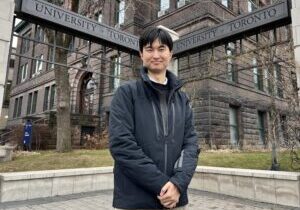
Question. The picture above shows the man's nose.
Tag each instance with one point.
(156, 54)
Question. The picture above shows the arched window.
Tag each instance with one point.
(87, 95)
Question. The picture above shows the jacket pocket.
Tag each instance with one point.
(179, 162)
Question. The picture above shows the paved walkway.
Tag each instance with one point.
(102, 201)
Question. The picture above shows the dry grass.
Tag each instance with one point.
(247, 159)
(47, 160)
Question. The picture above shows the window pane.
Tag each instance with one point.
(20, 106)
(121, 12)
(233, 126)
(225, 3)
(7, 94)
(98, 16)
(25, 42)
(255, 73)
(24, 69)
(229, 65)
(52, 96)
(39, 34)
(29, 102)
(261, 127)
(15, 107)
(251, 6)
(233, 135)
(22, 72)
(90, 84)
(91, 100)
(34, 100)
(41, 63)
(11, 63)
(88, 96)
(117, 72)
(164, 5)
(46, 97)
(266, 80)
(230, 51)
(50, 58)
(277, 81)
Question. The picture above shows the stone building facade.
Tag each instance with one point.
(7, 87)
(6, 20)
(230, 92)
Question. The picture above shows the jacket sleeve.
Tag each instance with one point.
(187, 162)
(123, 146)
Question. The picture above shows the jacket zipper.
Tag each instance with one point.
(155, 118)
(173, 131)
(165, 134)
(166, 157)
(165, 129)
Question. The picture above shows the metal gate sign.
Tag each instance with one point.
(45, 13)
(255, 22)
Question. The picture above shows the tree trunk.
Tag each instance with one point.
(64, 143)
(63, 111)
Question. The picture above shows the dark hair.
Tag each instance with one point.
(153, 33)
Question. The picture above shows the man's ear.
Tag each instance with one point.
(141, 54)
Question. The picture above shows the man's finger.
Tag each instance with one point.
(164, 198)
(170, 205)
(164, 189)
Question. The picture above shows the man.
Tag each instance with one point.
(152, 136)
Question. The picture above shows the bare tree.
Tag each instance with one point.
(281, 104)
(63, 115)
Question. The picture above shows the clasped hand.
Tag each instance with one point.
(169, 195)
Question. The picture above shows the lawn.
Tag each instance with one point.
(47, 160)
(251, 160)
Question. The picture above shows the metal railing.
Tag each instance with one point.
(6, 136)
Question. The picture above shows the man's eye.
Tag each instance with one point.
(149, 49)
(162, 49)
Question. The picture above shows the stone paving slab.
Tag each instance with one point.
(102, 200)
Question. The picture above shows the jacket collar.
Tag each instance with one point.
(173, 81)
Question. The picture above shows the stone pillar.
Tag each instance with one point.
(6, 21)
(295, 12)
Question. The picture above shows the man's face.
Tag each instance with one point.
(156, 57)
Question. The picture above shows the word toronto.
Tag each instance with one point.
(83, 24)
(234, 27)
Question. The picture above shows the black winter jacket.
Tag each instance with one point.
(146, 155)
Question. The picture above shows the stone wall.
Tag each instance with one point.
(275, 187)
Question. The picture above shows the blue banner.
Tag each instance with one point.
(27, 133)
